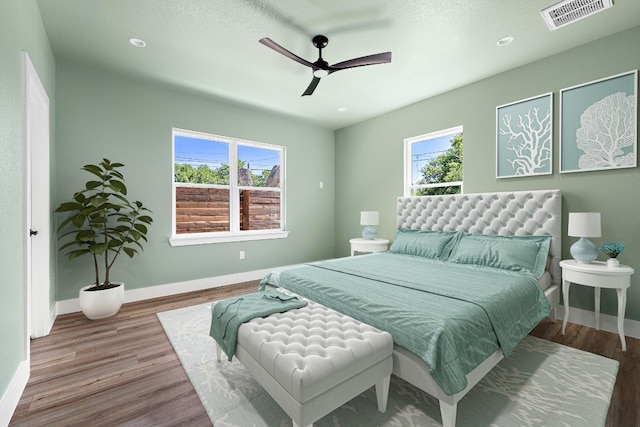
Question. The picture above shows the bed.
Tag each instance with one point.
(466, 278)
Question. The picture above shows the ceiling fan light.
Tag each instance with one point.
(320, 73)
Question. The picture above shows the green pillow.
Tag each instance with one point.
(515, 253)
(428, 244)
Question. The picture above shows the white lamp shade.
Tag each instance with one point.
(369, 218)
(584, 224)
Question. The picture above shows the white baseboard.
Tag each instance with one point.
(131, 295)
(52, 317)
(607, 322)
(12, 394)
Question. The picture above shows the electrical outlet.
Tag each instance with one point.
(321, 184)
(241, 254)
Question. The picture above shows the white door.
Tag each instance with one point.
(37, 205)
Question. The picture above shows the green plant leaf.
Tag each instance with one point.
(78, 220)
(118, 186)
(98, 248)
(96, 170)
(67, 245)
(90, 185)
(122, 198)
(69, 206)
(98, 201)
(117, 174)
(63, 224)
(146, 219)
(141, 228)
(134, 234)
(78, 253)
(86, 236)
(130, 251)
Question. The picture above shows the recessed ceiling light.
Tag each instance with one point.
(504, 41)
(137, 42)
(342, 109)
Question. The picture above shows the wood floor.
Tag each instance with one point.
(123, 371)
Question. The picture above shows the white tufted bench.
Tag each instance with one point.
(313, 359)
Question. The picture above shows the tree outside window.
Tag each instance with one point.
(433, 163)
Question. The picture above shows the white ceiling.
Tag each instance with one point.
(211, 46)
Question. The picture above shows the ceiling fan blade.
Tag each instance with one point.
(312, 86)
(275, 46)
(379, 58)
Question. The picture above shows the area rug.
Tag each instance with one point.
(540, 384)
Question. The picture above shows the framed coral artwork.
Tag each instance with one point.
(598, 124)
(523, 137)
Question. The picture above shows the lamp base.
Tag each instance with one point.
(584, 251)
(369, 232)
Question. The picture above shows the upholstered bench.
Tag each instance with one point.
(313, 359)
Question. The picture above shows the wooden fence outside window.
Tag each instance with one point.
(205, 210)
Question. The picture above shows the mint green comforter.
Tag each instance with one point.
(452, 316)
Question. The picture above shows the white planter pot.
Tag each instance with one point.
(612, 263)
(103, 303)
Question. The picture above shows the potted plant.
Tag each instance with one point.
(612, 249)
(103, 223)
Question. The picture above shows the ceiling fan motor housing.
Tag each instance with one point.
(320, 41)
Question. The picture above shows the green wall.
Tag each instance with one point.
(20, 30)
(102, 115)
(373, 181)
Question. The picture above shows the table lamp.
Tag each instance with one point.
(369, 218)
(583, 225)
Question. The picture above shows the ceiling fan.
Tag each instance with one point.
(321, 68)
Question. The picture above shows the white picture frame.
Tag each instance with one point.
(589, 140)
(524, 137)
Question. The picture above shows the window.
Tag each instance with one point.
(226, 189)
(433, 163)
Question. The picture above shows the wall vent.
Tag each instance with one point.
(569, 11)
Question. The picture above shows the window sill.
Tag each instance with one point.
(208, 238)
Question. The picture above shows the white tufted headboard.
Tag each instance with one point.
(517, 213)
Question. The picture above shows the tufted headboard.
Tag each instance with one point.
(504, 214)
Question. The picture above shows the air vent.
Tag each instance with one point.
(569, 11)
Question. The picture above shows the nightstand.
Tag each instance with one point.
(597, 275)
(368, 245)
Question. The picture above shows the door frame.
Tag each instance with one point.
(39, 312)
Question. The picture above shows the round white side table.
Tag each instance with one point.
(368, 245)
(597, 275)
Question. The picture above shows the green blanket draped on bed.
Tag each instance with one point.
(452, 316)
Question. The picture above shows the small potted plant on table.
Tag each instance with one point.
(103, 223)
(612, 249)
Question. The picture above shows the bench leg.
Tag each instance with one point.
(218, 351)
(448, 413)
(382, 392)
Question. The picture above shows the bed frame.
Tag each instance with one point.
(505, 214)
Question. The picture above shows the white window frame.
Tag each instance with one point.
(408, 142)
(235, 234)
